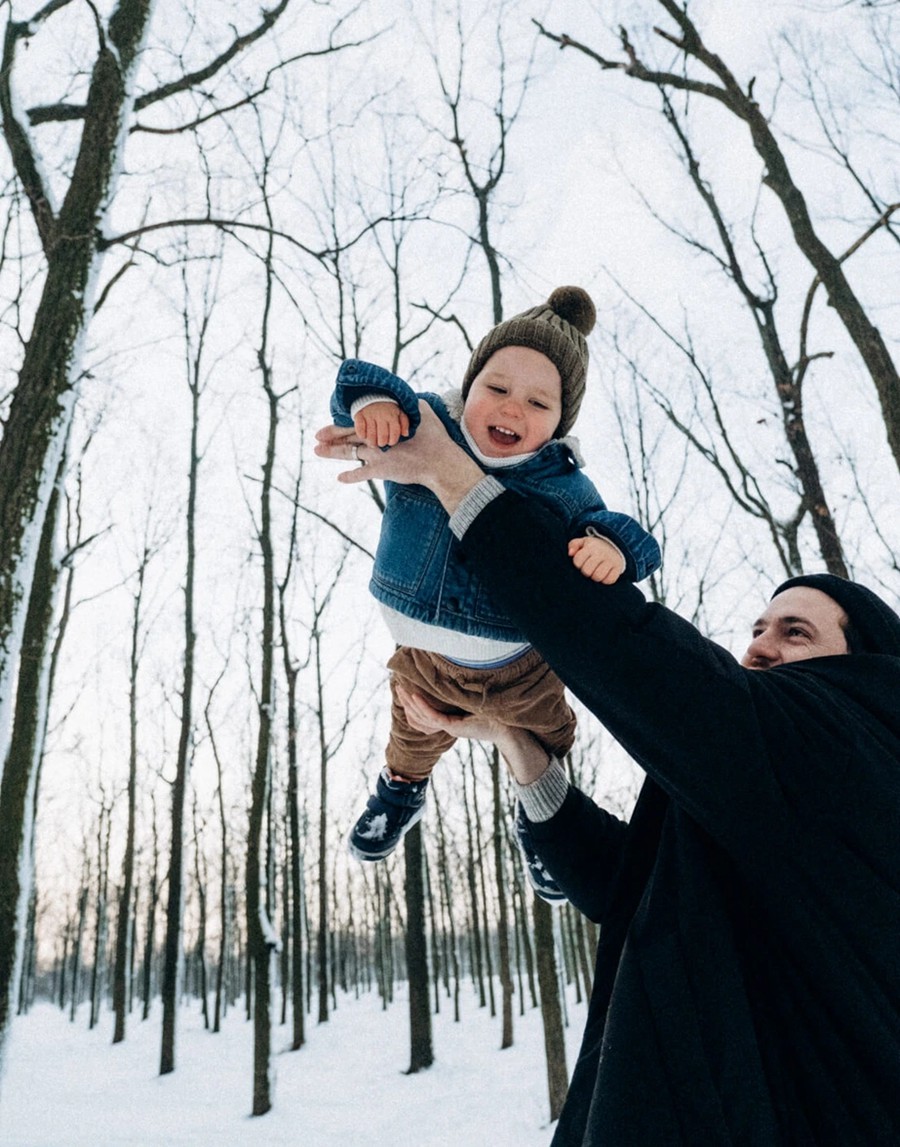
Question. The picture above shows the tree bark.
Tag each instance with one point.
(421, 1051)
(41, 410)
(20, 777)
(551, 1012)
(261, 938)
(123, 933)
(174, 903)
(506, 984)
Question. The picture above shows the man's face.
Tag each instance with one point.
(799, 623)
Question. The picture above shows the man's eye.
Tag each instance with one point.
(795, 632)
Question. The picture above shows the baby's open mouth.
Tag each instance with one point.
(500, 436)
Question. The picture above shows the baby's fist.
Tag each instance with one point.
(381, 423)
(597, 558)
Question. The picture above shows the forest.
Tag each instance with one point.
(206, 208)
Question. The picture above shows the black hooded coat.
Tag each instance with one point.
(747, 986)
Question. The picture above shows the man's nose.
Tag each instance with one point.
(761, 652)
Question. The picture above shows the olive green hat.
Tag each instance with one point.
(558, 329)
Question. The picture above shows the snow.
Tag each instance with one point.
(67, 1086)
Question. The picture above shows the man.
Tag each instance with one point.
(747, 988)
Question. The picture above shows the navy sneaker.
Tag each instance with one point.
(391, 811)
(540, 879)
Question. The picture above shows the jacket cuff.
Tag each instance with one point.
(473, 503)
(593, 532)
(544, 797)
(368, 399)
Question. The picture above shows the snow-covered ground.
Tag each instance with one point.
(68, 1087)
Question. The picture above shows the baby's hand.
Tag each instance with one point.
(381, 423)
(597, 559)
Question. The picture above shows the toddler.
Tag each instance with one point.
(520, 397)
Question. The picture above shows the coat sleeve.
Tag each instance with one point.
(357, 379)
(582, 846)
(678, 703)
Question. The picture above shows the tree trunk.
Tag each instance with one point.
(174, 903)
(150, 936)
(506, 984)
(485, 913)
(29, 959)
(444, 869)
(104, 829)
(298, 1037)
(421, 1052)
(76, 954)
(322, 931)
(471, 864)
(261, 938)
(200, 877)
(20, 776)
(40, 414)
(123, 934)
(551, 1012)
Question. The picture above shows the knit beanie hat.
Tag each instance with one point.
(557, 329)
(874, 623)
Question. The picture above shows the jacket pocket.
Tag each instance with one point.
(411, 534)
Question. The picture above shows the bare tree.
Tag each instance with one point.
(262, 938)
(72, 238)
(788, 379)
(551, 1010)
(421, 1049)
(18, 784)
(481, 150)
(328, 744)
(124, 937)
(499, 836)
(193, 350)
(716, 81)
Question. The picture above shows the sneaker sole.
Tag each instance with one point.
(358, 854)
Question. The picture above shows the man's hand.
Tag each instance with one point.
(597, 559)
(431, 459)
(381, 423)
(523, 754)
(424, 717)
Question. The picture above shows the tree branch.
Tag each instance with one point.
(229, 226)
(17, 140)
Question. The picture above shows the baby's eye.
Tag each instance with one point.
(539, 405)
(496, 389)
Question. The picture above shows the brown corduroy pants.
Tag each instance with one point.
(526, 693)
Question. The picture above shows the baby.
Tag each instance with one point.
(520, 397)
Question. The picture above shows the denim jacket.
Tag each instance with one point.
(418, 567)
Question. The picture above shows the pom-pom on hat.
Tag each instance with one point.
(558, 329)
(874, 625)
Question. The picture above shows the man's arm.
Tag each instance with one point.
(677, 702)
(580, 843)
